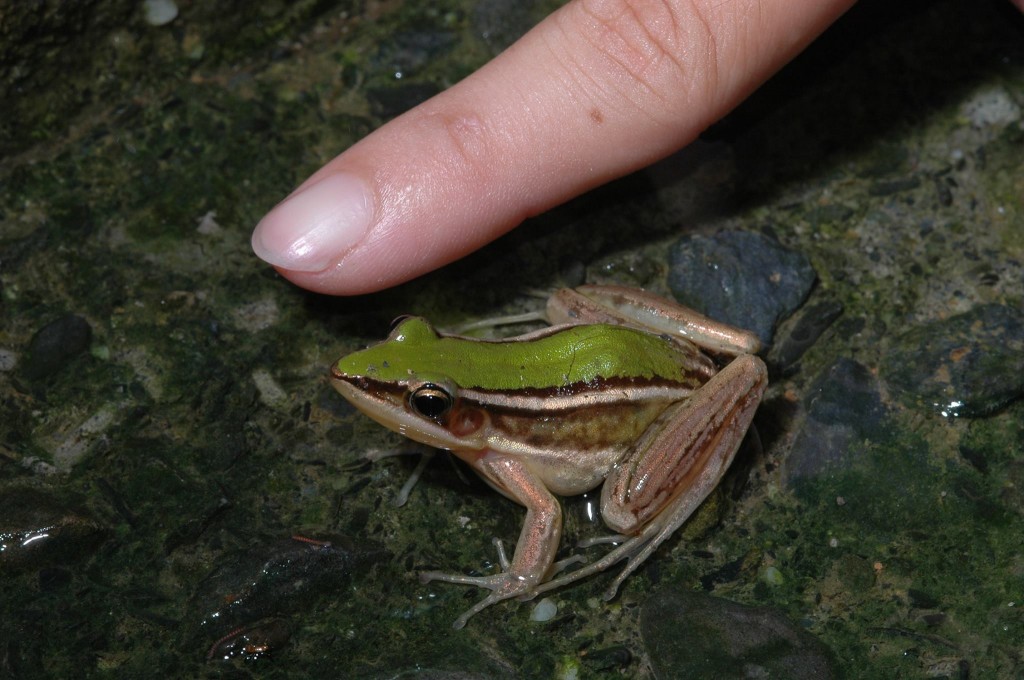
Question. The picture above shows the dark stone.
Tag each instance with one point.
(55, 344)
(803, 331)
(921, 599)
(252, 642)
(406, 53)
(40, 531)
(279, 578)
(975, 457)
(690, 635)
(607, 658)
(971, 364)
(843, 406)
(740, 277)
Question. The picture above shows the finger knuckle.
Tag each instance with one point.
(658, 45)
(468, 145)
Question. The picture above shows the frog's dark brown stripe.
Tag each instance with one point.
(596, 431)
(550, 401)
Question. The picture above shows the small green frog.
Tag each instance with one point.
(617, 392)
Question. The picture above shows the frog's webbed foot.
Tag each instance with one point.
(503, 586)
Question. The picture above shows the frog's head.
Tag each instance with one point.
(398, 383)
(406, 350)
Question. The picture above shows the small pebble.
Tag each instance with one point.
(544, 610)
(8, 360)
(159, 12)
(55, 344)
(772, 576)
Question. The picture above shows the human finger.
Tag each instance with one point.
(597, 90)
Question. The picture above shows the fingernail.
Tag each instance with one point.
(312, 229)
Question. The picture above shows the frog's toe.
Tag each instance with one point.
(489, 582)
(561, 565)
(503, 586)
(483, 604)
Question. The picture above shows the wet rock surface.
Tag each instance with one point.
(501, 22)
(251, 642)
(241, 598)
(691, 635)
(38, 531)
(743, 278)
(388, 102)
(971, 364)
(843, 410)
(805, 327)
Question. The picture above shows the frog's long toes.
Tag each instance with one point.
(611, 591)
(428, 576)
(560, 566)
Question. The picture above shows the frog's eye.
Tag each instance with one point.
(430, 401)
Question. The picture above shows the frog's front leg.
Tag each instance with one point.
(538, 540)
(673, 467)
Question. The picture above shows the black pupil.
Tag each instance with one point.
(430, 402)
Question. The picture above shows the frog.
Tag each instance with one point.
(624, 389)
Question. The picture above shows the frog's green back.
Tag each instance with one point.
(571, 355)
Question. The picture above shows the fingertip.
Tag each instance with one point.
(317, 225)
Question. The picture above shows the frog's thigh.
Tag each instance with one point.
(682, 456)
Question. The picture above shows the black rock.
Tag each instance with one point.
(801, 333)
(56, 343)
(40, 531)
(691, 635)
(268, 580)
(843, 407)
(388, 102)
(740, 277)
(501, 22)
(971, 364)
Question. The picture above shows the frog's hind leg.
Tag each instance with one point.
(538, 541)
(674, 466)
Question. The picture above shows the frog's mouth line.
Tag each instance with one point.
(384, 402)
